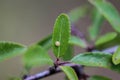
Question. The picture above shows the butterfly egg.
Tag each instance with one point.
(57, 43)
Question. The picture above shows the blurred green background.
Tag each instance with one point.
(28, 21)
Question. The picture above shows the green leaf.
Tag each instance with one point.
(61, 35)
(97, 20)
(10, 49)
(77, 41)
(116, 56)
(46, 43)
(96, 59)
(96, 77)
(15, 78)
(36, 56)
(77, 13)
(109, 12)
(69, 53)
(108, 44)
(93, 59)
(69, 72)
(106, 38)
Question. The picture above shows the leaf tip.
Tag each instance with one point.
(115, 60)
(63, 14)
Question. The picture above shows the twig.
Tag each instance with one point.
(78, 69)
(52, 71)
(110, 50)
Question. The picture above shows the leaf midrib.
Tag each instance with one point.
(60, 38)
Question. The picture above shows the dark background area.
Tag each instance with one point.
(28, 21)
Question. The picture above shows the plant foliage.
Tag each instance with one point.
(97, 48)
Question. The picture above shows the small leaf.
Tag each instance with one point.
(106, 38)
(46, 43)
(116, 56)
(109, 12)
(10, 49)
(69, 53)
(36, 56)
(61, 34)
(96, 77)
(97, 21)
(108, 44)
(77, 41)
(77, 13)
(96, 59)
(92, 59)
(69, 72)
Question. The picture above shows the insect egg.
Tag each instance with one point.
(57, 43)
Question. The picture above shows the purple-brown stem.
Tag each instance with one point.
(76, 32)
(52, 71)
